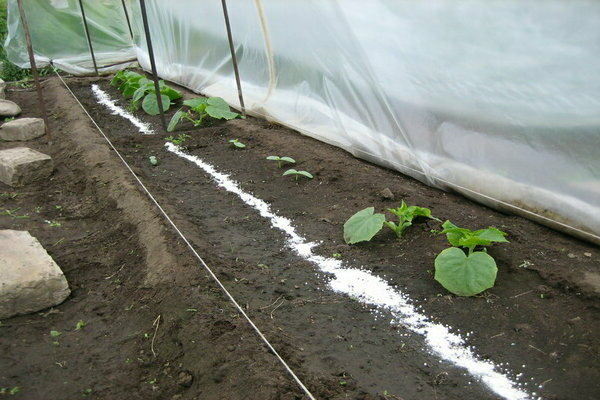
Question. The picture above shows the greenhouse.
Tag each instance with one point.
(261, 199)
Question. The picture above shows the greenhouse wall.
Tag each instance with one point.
(498, 100)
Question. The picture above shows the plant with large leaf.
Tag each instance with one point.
(470, 273)
(140, 89)
(195, 110)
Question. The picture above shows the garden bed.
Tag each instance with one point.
(540, 320)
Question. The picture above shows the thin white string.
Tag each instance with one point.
(211, 273)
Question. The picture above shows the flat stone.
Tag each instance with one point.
(22, 165)
(2, 89)
(30, 280)
(9, 108)
(22, 129)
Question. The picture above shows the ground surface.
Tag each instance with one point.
(126, 268)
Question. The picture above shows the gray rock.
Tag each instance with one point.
(22, 129)
(9, 108)
(386, 194)
(2, 89)
(30, 280)
(22, 165)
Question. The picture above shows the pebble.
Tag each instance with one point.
(185, 379)
(587, 254)
(386, 194)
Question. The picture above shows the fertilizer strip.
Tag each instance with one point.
(375, 291)
(206, 267)
(104, 99)
(372, 290)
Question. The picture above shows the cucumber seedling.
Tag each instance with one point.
(237, 144)
(297, 174)
(139, 88)
(281, 160)
(365, 224)
(471, 273)
(177, 140)
(405, 215)
(195, 110)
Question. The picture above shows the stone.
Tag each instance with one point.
(2, 89)
(22, 129)
(30, 280)
(386, 194)
(22, 165)
(185, 379)
(9, 108)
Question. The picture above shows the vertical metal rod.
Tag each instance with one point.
(153, 64)
(34, 70)
(87, 33)
(233, 58)
(127, 18)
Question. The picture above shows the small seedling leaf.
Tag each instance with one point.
(55, 333)
(363, 225)
(306, 174)
(79, 325)
(465, 275)
(288, 159)
(290, 171)
(273, 158)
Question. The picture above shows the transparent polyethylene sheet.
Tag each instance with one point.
(57, 34)
(499, 100)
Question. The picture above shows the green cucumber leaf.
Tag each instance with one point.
(195, 102)
(290, 171)
(220, 113)
(171, 93)
(218, 103)
(363, 225)
(273, 158)
(465, 275)
(175, 120)
(150, 104)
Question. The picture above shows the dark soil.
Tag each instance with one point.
(541, 318)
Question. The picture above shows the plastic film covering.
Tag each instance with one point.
(57, 34)
(498, 100)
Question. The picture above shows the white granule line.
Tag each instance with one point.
(372, 290)
(104, 99)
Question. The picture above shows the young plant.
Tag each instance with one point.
(405, 215)
(137, 87)
(195, 110)
(365, 224)
(237, 144)
(297, 174)
(281, 160)
(471, 273)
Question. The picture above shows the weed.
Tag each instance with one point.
(281, 160)
(8, 195)
(10, 391)
(53, 224)
(79, 325)
(153, 160)
(195, 110)
(178, 140)
(86, 392)
(237, 144)
(8, 119)
(55, 334)
(336, 255)
(472, 273)
(12, 213)
(296, 174)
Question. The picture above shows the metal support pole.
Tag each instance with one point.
(233, 58)
(87, 33)
(127, 18)
(34, 70)
(153, 64)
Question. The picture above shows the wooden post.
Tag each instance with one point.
(34, 71)
(233, 58)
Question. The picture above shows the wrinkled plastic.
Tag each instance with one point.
(497, 100)
(58, 35)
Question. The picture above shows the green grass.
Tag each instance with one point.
(9, 71)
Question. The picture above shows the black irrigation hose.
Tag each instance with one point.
(189, 245)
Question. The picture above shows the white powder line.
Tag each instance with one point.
(375, 291)
(104, 98)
